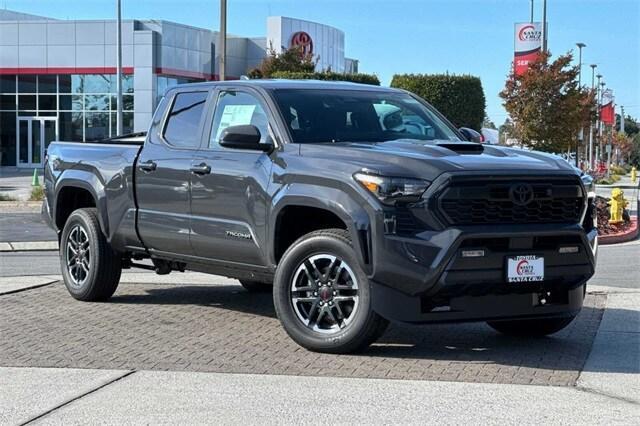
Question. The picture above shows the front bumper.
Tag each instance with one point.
(425, 278)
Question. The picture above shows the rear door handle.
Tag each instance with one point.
(201, 169)
(149, 166)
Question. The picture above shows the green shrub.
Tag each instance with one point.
(328, 75)
(612, 179)
(37, 193)
(620, 170)
(459, 97)
(4, 197)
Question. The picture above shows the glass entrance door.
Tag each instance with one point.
(34, 136)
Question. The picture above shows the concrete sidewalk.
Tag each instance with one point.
(124, 397)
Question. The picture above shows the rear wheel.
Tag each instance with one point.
(256, 286)
(322, 296)
(531, 328)
(90, 268)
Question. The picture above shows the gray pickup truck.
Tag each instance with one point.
(355, 204)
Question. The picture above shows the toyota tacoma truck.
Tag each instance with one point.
(357, 205)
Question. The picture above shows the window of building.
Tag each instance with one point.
(27, 83)
(164, 83)
(183, 123)
(7, 83)
(81, 103)
(236, 109)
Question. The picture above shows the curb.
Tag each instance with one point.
(622, 237)
(20, 204)
(623, 186)
(28, 246)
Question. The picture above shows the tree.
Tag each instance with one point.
(634, 157)
(460, 98)
(630, 125)
(292, 59)
(547, 106)
(624, 144)
(506, 131)
(488, 124)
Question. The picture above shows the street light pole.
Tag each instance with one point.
(119, 71)
(531, 15)
(593, 76)
(544, 26)
(599, 148)
(580, 46)
(581, 132)
(223, 39)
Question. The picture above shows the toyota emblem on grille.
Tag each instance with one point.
(521, 194)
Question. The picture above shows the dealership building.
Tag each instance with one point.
(57, 77)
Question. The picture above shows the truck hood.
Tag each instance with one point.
(428, 159)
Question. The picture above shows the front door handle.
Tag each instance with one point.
(201, 169)
(149, 166)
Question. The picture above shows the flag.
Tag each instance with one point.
(607, 108)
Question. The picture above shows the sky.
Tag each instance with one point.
(417, 36)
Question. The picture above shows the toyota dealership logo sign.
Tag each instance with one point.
(304, 41)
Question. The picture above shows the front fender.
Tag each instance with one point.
(344, 205)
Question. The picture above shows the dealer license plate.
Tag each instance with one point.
(525, 268)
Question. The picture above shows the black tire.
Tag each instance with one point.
(349, 330)
(531, 328)
(104, 265)
(256, 286)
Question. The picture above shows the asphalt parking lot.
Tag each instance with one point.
(222, 328)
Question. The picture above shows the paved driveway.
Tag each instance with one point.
(222, 328)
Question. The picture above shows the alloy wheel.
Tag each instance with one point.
(78, 256)
(324, 293)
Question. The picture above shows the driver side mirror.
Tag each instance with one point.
(471, 135)
(245, 136)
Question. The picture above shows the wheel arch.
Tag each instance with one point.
(79, 190)
(330, 210)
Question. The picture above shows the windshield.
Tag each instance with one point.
(317, 116)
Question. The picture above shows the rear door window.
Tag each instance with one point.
(183, 123)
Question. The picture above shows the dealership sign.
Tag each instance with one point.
(528, 43)
(302, 40)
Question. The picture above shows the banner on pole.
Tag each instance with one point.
(607, 110)
(528, 43)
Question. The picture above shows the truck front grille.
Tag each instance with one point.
(490, 202)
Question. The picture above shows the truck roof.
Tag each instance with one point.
(290, 84)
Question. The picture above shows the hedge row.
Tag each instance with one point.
(459, 97)
(333, 76)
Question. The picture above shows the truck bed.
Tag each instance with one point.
(105, 169)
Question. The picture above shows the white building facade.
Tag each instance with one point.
(57, 77)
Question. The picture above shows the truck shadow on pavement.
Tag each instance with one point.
(462, 348)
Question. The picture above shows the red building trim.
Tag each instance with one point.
(64, 70)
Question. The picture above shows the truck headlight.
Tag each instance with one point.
(393, 190)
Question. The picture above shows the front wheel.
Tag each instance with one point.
(322, 296)
(90, 268)
(531, 328)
